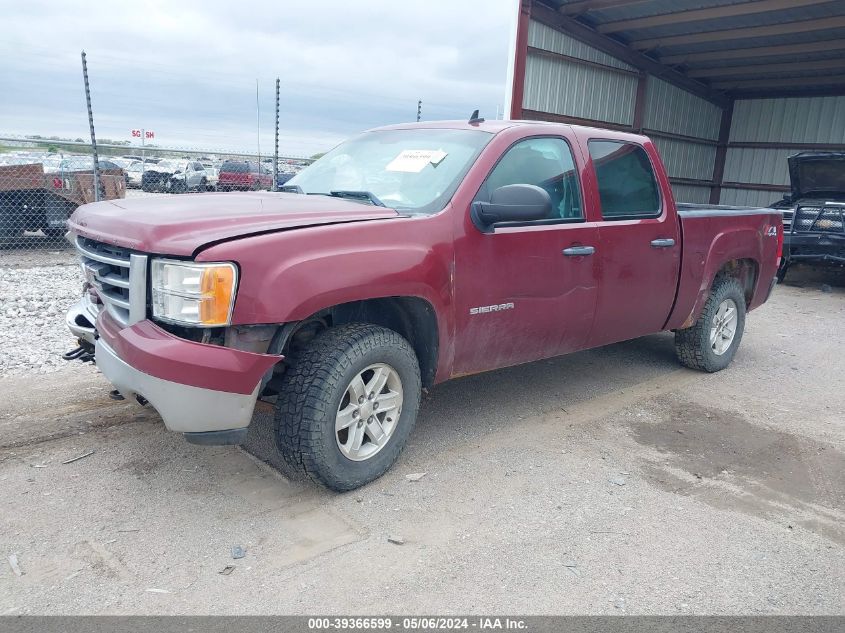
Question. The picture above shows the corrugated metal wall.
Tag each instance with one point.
(748, 197)
(766, 166)
(686, 159)
(605, 91)
(586, 92)
(671, 109)
(691, 193)
(783, 127)
(566, 77)
(561, 86)
(549, 39)
(792, 120)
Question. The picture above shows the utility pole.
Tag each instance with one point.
(258, 127)
(276, 149)
(91, 126)
(419, 110)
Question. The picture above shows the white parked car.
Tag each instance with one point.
(175, 176)
(212, 174)
(134, 173)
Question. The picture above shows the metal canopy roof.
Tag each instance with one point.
(719, 48)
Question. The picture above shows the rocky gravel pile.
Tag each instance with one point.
(33, 301)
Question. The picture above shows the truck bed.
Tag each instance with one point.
(715, 234)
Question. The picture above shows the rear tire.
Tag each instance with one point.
(316, 399)
(711, 343)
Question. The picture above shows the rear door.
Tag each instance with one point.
(641, 243)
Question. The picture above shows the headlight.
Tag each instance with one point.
(191, 293)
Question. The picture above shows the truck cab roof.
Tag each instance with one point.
(497, 126)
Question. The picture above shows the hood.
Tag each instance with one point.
(817, 174)
(180, 225)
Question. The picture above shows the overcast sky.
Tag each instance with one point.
(188, 69)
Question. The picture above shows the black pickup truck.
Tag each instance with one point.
(814, 212)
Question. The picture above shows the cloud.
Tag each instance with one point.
(189, 70)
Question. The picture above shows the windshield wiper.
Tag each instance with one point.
(291, 189)
(357, 195)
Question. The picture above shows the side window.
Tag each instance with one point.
(197, 167)
(545, 162)
(627, 186)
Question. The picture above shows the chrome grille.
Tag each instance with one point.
(119, 276)
(787, 220)
(826, 219)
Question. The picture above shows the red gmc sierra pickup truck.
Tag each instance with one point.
(402, 258)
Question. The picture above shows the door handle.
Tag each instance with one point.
(578, 251)
(663, 243)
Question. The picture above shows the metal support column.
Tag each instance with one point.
(91, 126)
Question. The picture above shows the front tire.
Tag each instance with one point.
(711, 343)
(347, 405)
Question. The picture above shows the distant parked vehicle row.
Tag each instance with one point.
(40, 195)
(175, 176)
(212, 173)
(244, 175)
(134, 171)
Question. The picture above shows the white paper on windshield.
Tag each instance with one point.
(414, 161)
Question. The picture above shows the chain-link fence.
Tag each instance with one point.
(41, 187)
(39, 191)
(44, 179)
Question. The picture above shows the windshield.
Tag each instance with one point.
(237, 168)
(77, 163)
(167, 166)
(416, 170)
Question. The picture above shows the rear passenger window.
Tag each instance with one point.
(545, 162)
(626, 182)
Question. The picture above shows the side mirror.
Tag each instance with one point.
(512, 203)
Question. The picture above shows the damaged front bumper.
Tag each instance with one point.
(82, 317)
(187, 409)
(207, 392)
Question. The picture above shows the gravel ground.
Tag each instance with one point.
(605, 482)
(34, 301)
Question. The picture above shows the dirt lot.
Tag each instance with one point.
(608, 481)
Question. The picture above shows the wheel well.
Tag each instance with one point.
(745, 271)
(411, 317)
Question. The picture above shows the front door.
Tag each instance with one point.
(526, 291)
